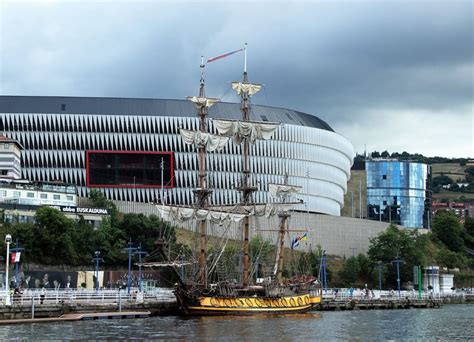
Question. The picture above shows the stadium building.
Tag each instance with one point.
(118, 145)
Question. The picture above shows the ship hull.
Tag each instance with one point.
(247, 306)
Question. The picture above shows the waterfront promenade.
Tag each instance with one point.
(34, 303)
(161, 301)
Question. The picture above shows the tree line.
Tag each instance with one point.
(54, 239)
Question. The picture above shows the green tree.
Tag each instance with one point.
(110, 241)
(450, 259)
(408, 245)
(146, 230)
(350, 271)
(53, 237)
(99, 200)
(469, 225)
(448, 229)
(84, 239)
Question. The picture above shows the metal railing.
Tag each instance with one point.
(357, 294)
(85, 296)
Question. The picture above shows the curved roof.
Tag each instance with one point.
(161, 107)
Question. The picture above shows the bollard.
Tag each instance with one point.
(32, 306)
(120, 301)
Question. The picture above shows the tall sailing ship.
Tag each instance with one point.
(226, 297)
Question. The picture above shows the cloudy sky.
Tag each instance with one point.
(388, 75)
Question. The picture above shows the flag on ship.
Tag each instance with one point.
(295, 242)
(304, 237)
(223, 56)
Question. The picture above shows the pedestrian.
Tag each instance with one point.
(42, 295)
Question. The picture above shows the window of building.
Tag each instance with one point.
(16, 194)
(69, 198)
(4, 193)
(384, 202)
(4, 172)
(57, 197)
(6, 146)
(264, 118)
(63, 107)
(30, 194)
(384, 177)
(44, 196)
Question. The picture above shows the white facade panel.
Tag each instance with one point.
(316, 159)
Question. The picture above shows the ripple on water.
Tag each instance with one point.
(450, 322)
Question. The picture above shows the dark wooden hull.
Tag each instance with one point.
(246, 306)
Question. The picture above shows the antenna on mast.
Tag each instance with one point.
(245, 58)
(201, 86)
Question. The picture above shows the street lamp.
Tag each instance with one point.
(140, 252)
(129, 249)
(97, 259)
(380, 266)
(8, 240)
(17, 249)
(398, 261)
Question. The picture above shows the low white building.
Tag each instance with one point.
(10, 158)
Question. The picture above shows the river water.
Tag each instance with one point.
(451, 322)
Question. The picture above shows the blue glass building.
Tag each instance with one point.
(397, 192)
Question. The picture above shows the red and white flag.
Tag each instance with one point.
(15, 257)
(224, 55)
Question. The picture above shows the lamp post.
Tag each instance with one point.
(323, 270)
(97, 258)
(379, 267)
(353, 265)
(8, 240)
(398, 261)
(17, 249)
(129, 249)
(139, 252)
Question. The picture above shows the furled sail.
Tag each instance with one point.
(277, 190)
(200, 102)
(267, 209)
(249, 88)
(199, 139)
(240, 130)
(171, 213)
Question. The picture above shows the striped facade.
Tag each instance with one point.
(56, 132)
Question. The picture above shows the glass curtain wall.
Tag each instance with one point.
(396, 192)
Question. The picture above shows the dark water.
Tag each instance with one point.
(452, 322)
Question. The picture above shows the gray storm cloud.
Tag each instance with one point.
(390, 75)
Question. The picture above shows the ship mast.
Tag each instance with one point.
(202, 193)
(283, 227)
(246, 189)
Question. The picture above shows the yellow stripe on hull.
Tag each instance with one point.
(254, 305)
(256, 310)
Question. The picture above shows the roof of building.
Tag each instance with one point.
(4, 139)
(158, 107)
